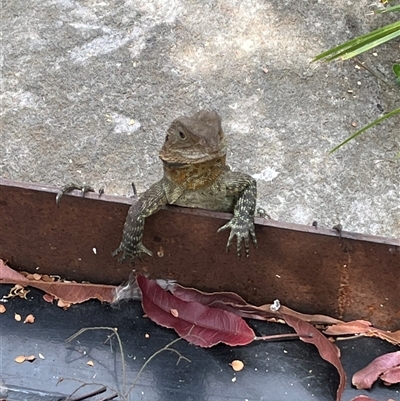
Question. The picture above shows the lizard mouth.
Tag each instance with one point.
(173, 165)
(177, 160)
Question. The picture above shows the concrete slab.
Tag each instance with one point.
(89, 88)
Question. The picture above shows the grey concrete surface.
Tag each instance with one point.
(89, 88)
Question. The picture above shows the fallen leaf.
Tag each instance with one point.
(391, 376)
(90, 363)
(69, 292)
(237, 365)
(20, 359)
(30, 358)
(10, 276)
(390, 336)
(41, 356)
(366, 377)
(197, 323)
(48, 298)
(327, 350)
(234, 302)
(2, 308)
(62, 304)
(343, 328)
(300, 322)
(364, 328)
(29, 319)
(17, 317)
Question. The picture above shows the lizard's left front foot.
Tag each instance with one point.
(70, 187)
(242, 229)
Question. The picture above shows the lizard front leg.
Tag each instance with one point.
(149, 203)
(243, 187)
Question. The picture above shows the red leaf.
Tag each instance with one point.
(237, 305)
(363, 398)
(365, 378)
(10, 276)
(326, 349)
(196, 323)
(391, 376)
(191, 294)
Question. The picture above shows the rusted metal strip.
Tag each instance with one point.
(311, 270)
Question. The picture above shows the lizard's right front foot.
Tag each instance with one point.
(70, 187)
(131, 251)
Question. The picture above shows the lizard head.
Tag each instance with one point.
(195, 139)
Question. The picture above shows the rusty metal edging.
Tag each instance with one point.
(313, 270)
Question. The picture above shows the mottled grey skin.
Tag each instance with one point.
(195, 175)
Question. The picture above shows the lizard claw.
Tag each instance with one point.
(71, 186)
(241, 229)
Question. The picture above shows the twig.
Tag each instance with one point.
(166, 348)
(282, 336)
(88, 395)
(388, 83)
(115, 331)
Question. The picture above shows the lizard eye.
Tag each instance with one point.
(182, 135)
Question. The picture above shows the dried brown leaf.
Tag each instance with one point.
(90, 363)
(30, 358)
(10, 276)
(20, 359)
(2, 308)
(17, 317)
(68, 292)
(63, 304)
(48, 298)
(366, 377)
(364, 328)
(29, 319)
(343, 328)
(392, 337)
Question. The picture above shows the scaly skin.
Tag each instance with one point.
(195, 175)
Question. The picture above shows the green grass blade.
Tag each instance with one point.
(377, 121)
(371, 45)
(388, 10)
(358, 42)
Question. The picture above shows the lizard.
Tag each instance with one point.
(195, 175)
